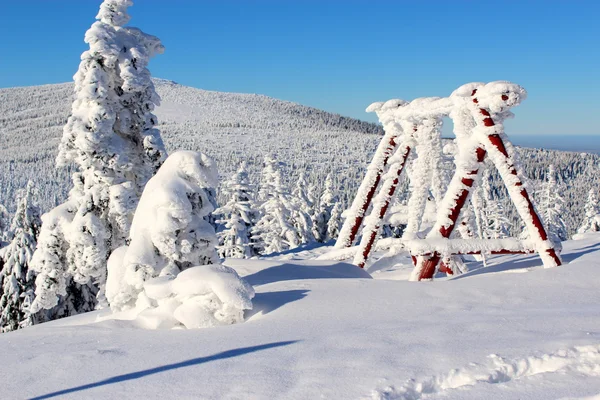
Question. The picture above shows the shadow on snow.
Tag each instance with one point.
(270, 301)
(151, 371)
(532, 260)
(291, 272)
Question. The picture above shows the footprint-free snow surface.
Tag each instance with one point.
(327, 330)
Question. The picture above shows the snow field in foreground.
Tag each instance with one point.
(324, 330)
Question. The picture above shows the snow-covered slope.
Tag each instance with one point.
(325, 330)
(232, 127)
(227, 126)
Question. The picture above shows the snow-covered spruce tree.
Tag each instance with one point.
(111, 139)
(591, 221)
(335, 221)
(170, 231)
(495, 225)
(302, 211)
(5, 233)
(238, 215)
(273, 232)
(17, 279)
(552, 207)
(323, 211)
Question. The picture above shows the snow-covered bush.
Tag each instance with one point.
(111, 139)
(170, 231)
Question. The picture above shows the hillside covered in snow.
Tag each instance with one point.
(231, 128)
(328, 330)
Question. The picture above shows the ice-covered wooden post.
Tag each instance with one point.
(478, 113)
(382, 201)
(387, 147)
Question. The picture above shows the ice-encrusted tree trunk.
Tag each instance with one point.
(591, 221)
(273, 232)
(239, 216)
(552, 207)
(18, 281)
(302, 211)
(323, 211)
(112, 140)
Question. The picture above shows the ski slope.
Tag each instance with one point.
(327, 330)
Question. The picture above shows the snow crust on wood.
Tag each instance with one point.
(484, 107)
(447, 247)
(386, 148)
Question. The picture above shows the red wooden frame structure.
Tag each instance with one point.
(478, 111)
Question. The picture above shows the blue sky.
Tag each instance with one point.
(340, 55)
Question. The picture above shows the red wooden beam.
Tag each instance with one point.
(366, 244)
(364, 207)
(429, 265)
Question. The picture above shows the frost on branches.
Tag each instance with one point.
(238, 216)
(591, 221)
(111, 138)
(273, 231)
(17, 280)
(170, 231)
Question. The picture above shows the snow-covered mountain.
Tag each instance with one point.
(227, 126)
(232, 127)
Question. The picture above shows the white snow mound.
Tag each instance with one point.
(199, 297)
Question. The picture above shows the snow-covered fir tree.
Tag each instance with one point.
(170, 231)
(4, 226)
(591, 220)
(55, 290)
(302, 210)
(552, 207)
(111, 139)
(495, 225)
(312, 196)
(274, 232)
(335, 221)
(238, 215)
(323, 210)
(17, 281)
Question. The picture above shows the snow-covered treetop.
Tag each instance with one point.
(193, 167)
(114, 12)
